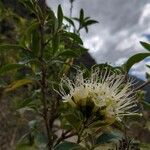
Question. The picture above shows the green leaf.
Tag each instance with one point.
(41, 140)
(69, 146)
(82, 50)
(60, 16)
(81, 15)
(33, 26)
(77, 19)
(86, 29)
(146, 104)
(16, 84)
(29, 5)
(35, 45)
(135, 59)
(98, 124)
(144, 146)
(73, 121)
(74, 36)
(55, 42)
(26, 147)
(86, 18)
(147, 76)
(5, 47)
(69, 21)
(145, 45)
(89, 22)
(107, 137)
(9, 67)
(148, 66)
(68, 53)
(31, 38)
(74, 118)
(22, 104)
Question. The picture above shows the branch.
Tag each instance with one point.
(43, 82)
(64, 136)
(12, 142)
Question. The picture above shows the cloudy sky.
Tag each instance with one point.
(122, 24)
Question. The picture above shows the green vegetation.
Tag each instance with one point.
(51, 102)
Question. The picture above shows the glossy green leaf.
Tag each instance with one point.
(5, 47)
(60, 16)
(86, 29)
(89, 22)
(145, 45)
(144, 146)
(35, 45)
(147, 76)
(28, 4)
(68, 53)
(9, 67)
(74, 36)
(86, 18)
(74, 118)
(69, 21)
(98, 124)
(75, 18)
(26, 147)
(41, 140)
(81, 16)
(30, 103)
(107, 137)
(16, 84)
(33, 26)
(31, 38)
(135, 59)
(79, 49)
(146, 104)
(55, 42)
(69, 146)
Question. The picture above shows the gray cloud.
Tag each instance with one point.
(122, 25)
(115, 14)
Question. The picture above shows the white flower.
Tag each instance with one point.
(110, 94)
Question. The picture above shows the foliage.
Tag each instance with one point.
(36, 52)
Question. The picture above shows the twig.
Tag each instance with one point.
(43, 82)
(13, 137)
(64, 136)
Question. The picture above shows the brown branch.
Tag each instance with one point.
(64, 136)
(12, 142)
(44, 86)
(43, 82)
